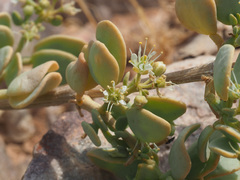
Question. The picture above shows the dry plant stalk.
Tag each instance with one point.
(64, 94)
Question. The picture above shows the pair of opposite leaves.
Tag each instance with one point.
(45, 49)
(100, 62)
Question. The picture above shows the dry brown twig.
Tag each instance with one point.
(65, 94)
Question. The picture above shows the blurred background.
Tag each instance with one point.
(20, 130)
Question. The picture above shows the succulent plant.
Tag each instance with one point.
(134, 128)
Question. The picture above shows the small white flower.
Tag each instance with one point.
(122, 102)
(114, 96)
(123, 89)
(142, 63)
(69, 8)
(105, 93)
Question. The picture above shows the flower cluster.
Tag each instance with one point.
(114, 96)
(142, 63)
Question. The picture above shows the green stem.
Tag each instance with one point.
(133, 86)
(138, 80)
(21, 44)
(32, 3)
(88, 104)
(145, 86)
(147, 81)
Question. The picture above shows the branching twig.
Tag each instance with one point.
(64, 94)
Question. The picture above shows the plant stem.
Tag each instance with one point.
(21, 44)
(64, 94)
(88, 103)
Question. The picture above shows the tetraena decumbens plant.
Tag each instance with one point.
(150, 118)
(135, 129)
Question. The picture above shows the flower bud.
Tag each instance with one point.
(44, 3)
(69, 9)
(140, 101)
(159, 68)
(28, 10)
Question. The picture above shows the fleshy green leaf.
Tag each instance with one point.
(180, 162)
(6, 36)
(25, 88)
(225, 8)
(13, 69)
(236, 71)
(200, 169)
(203, 151)
(88, 129)
(222, 147)
(5, 56)
(222, 70)
(108, 34)
(97, 119)
(115, 165)
(147, 126)
(62, 58)
(61, 42)
(5, 19)
(227, 168)
(102, 65)
(121, 123)
(148, 170)
(78, 76)
(199, 16)
(229, 132)
(166, 108)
